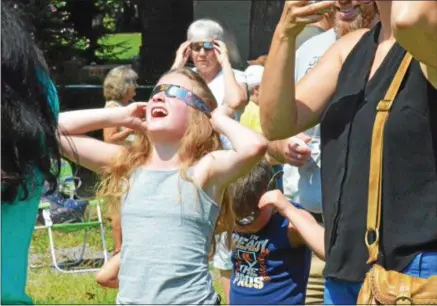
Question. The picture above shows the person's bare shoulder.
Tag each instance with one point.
(349, 41)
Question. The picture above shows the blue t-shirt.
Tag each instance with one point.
(267, 269)
(17, 224)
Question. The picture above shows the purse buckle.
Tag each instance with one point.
(366, 238)
(384, 105)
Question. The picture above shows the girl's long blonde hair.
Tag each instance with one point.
(199, 140)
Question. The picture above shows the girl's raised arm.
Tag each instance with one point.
(226, 166)
(92, 153)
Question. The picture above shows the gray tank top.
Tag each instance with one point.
(167, 225)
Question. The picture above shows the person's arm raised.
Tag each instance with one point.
(112, 135)
(235, 95)
(303, 228)
(89, 152)
(287, 109)
(225, 166)
(414, 25)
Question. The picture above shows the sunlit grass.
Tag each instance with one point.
(47, 286)
(127, 45)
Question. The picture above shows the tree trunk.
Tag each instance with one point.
(164, 26)
(264, 17)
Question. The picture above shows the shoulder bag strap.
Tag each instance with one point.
(376, 155)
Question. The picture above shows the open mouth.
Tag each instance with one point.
(159, 112)
(348, 14)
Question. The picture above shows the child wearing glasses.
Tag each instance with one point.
(271, 262)
(171, 182)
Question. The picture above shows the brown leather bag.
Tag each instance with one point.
(383, 287)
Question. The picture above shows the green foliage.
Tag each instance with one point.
(75, 32)
(51, 28)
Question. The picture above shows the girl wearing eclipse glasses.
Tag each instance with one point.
(172, 184)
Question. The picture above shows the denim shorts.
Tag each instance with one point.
(338, 292)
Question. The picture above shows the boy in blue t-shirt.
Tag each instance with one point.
(271, 262)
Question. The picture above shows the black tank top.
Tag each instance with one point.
(409, 199)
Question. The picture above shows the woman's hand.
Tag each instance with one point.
(297, 14)
(293, 151)
(221, 52)
(182, 55)
(133, 116)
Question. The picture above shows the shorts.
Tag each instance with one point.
(222, 259)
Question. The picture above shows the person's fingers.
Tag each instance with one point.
(313, 8)
(308, 19)
(187, 54)
(295, 161)
(185, 45)
(304, 137)
(220, 43)
(217, 53)
(144, 126)
(302, 150)
(137, 124)
(218, 49)
(264, 201)
(140, 104)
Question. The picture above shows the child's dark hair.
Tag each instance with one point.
(249, 189)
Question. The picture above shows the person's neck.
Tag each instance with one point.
(210, 74)
(165, 156)
(375, 21)
(384, 8)
(125, 101)
(254, 100)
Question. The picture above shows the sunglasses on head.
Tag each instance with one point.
(186, 96)
(255, 214)
(206, 45)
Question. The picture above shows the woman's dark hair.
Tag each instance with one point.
(249, 189)
(29, 125)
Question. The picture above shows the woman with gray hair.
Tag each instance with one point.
(212, 61)
(211, 58)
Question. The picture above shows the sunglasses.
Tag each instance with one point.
(255, 214)
(206, 45)
(186, 96)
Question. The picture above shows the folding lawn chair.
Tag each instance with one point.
(63, 211)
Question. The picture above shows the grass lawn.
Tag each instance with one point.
(47, 286)
(129, 44)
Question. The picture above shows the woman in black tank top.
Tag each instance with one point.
(343, 97)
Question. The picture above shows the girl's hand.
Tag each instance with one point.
(220, 111)
(297, 14)
(221, 52)
(277, 199)
(133, 116)
(182, 55)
